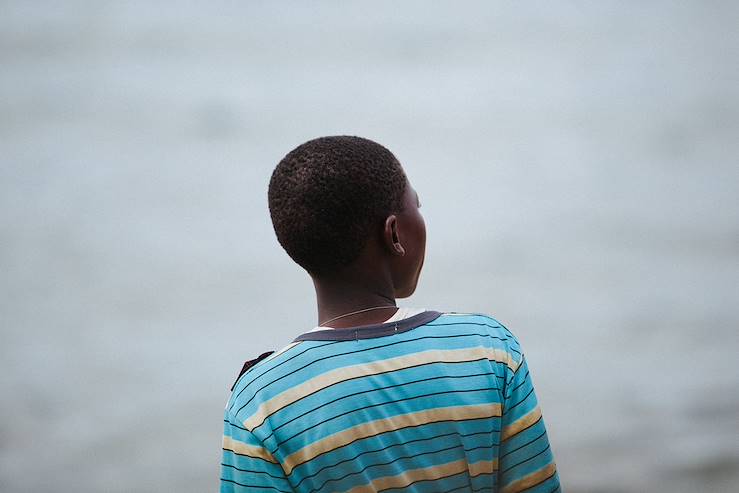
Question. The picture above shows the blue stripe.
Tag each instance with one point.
(367, 398)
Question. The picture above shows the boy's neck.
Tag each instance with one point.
(341, 296)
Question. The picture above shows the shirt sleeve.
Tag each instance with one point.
(525, 462)
(246, 464)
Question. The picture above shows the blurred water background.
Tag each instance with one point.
(577, 167)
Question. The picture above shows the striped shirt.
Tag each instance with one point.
(438, 402)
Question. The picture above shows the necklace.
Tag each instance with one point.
(354, 313)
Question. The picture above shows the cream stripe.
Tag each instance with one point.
(483, 467)
(376, 367)
(364, 430)
(246, 449)
(521, 423)
(411, 476)
(277, 353)
(530, 480)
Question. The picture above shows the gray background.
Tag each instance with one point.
(577, 168)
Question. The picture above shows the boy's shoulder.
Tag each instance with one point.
(273, 370)
(494, 327)
(257, 373)
(480, 319)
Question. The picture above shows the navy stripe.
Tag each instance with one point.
(395, 445)
(422, 481)
(498, 325)
(249, 456)
(519, 402)
(467, 487)
(521, 431)
(520, 384)
(509, 338)
(272, 368)
(524, 461)
(250, 470)
(254, 486)
(312, 362)
(376, 389)
(522, 446)
(397, 459)
(374, 374)
(392, 431)
(541, 482)
(378, 405)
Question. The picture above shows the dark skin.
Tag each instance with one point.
(388, 268)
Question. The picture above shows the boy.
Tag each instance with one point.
(377, 398)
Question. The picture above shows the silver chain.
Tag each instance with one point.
(358, 311)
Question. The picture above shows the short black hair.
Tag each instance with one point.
(328, 194)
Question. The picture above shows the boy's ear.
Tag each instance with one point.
(391, 236)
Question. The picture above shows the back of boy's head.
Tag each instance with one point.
(327, 197)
